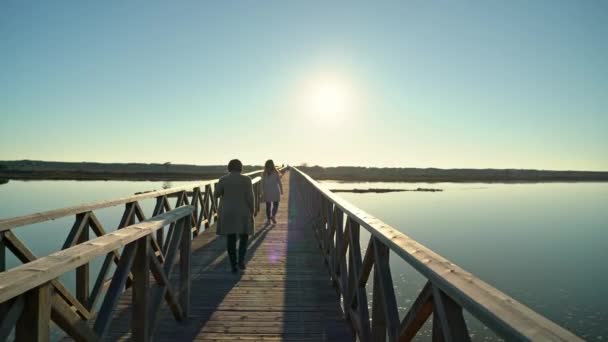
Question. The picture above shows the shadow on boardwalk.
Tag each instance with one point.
(285, 293)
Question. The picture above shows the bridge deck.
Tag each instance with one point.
(284, 294)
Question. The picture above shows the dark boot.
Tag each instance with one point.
(244, 238)
(231, 247)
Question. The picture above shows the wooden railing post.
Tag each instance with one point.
(158, 209)
(2, 253)
(141, 290)
(184, 263)
(195, 203)
(34, 322)
(217, 201)
(448, 315)
(82, 272)
(207, 206)
(378, 318)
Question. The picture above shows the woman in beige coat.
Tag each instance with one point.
(273, 189)
(235, 212)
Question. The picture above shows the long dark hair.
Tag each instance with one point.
(269, 167)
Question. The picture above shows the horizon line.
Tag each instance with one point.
(304, 164)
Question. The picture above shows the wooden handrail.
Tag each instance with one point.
(13, 222)
(30, 296)
(22, 278)
(449, 290)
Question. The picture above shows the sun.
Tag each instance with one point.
(328, 99)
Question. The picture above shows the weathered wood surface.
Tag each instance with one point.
(284, 294)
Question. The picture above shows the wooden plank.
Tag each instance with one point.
(34, 322)
(389, 302)
(139, 213)
(82, 221)
(195, 203)
(436, 333)
(181, 197)
(158, 209)
(119, 279)
(170, 296)
(98, 229)
(449, 315)
(157, 250)
(99, 282)
(202, 218)
(127, 216)
(378, 323)
(344, 242)
(2, 253)
(368, 262)
(10, 315)
(82, 272)
(158, 293)
(63, 315)
(358, 294)
(501, 313)
(184, 267)
(141, 290)
(417, 315)
(172, 246)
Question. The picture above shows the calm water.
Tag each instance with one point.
(544, 244)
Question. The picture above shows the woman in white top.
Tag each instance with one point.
(273, 189)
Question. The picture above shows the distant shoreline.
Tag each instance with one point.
(105, 176)
(434, 175)
(45, 170)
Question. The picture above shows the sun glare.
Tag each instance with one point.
(328, 99)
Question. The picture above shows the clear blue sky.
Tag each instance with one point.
(520, 84)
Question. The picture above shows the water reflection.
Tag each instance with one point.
(543, 244)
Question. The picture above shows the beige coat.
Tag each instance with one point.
(236, 204)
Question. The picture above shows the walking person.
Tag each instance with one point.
(273, 189)
(235, 212)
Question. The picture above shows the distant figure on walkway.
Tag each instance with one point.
(273, 189)
(235, 212)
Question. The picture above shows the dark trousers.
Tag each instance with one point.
(275, 207)
(231, 246)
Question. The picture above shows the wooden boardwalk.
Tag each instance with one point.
(284, 294)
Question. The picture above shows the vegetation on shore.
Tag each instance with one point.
(375, 174)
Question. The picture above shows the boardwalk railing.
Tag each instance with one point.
(32, 299)
(449, 288)
(196, 209)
